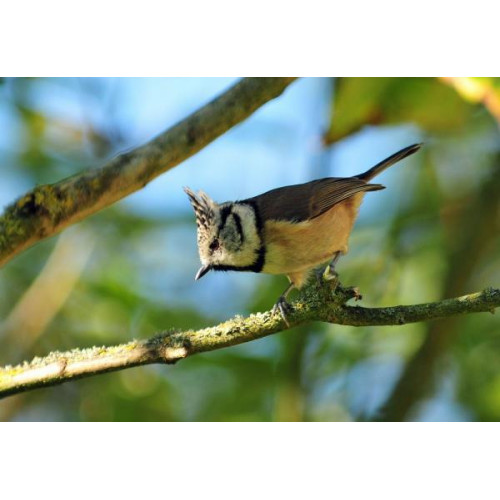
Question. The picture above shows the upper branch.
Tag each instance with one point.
(47, 209)
(169, 347)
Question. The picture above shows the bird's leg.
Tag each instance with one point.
(282, 305)
(330, 274)
(318, 274)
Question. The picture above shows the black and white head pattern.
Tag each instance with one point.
(228, 234)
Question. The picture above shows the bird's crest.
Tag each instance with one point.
(204, 208)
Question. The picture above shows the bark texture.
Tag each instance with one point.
(325, 303)
(48, 209)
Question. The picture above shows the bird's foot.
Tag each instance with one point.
(331, 276)
(284, 308)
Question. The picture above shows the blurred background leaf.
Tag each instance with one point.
(434, 107)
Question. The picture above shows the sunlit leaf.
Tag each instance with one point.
(479, 90)
(426, 102)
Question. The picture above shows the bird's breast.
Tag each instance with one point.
(297, 247)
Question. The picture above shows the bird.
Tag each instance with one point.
(291, 230)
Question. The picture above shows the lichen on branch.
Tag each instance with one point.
(47, 209)
(326, 303)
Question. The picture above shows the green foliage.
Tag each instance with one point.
(426, 102)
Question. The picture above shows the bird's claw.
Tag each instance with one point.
(330, 274)
(283, 307)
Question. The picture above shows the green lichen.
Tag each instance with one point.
(324, 303)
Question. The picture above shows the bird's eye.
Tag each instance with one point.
(214, 245)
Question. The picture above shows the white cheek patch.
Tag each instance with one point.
(246, 255)
(248, 223)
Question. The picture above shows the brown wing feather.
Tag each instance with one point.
(306, 201)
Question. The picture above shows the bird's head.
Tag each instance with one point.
(228, 234)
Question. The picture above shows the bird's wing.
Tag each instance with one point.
(307, 201)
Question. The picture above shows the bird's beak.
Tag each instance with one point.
(202, 271)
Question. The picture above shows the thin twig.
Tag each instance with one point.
(316, 304)
(419, 376)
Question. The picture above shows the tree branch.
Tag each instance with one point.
(315, 304)
(47, 209)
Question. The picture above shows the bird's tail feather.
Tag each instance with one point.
(388, 162)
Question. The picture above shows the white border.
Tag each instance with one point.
(307, 461)
(227, 38)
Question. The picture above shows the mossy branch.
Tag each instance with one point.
(316, 304)
(47, 209)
